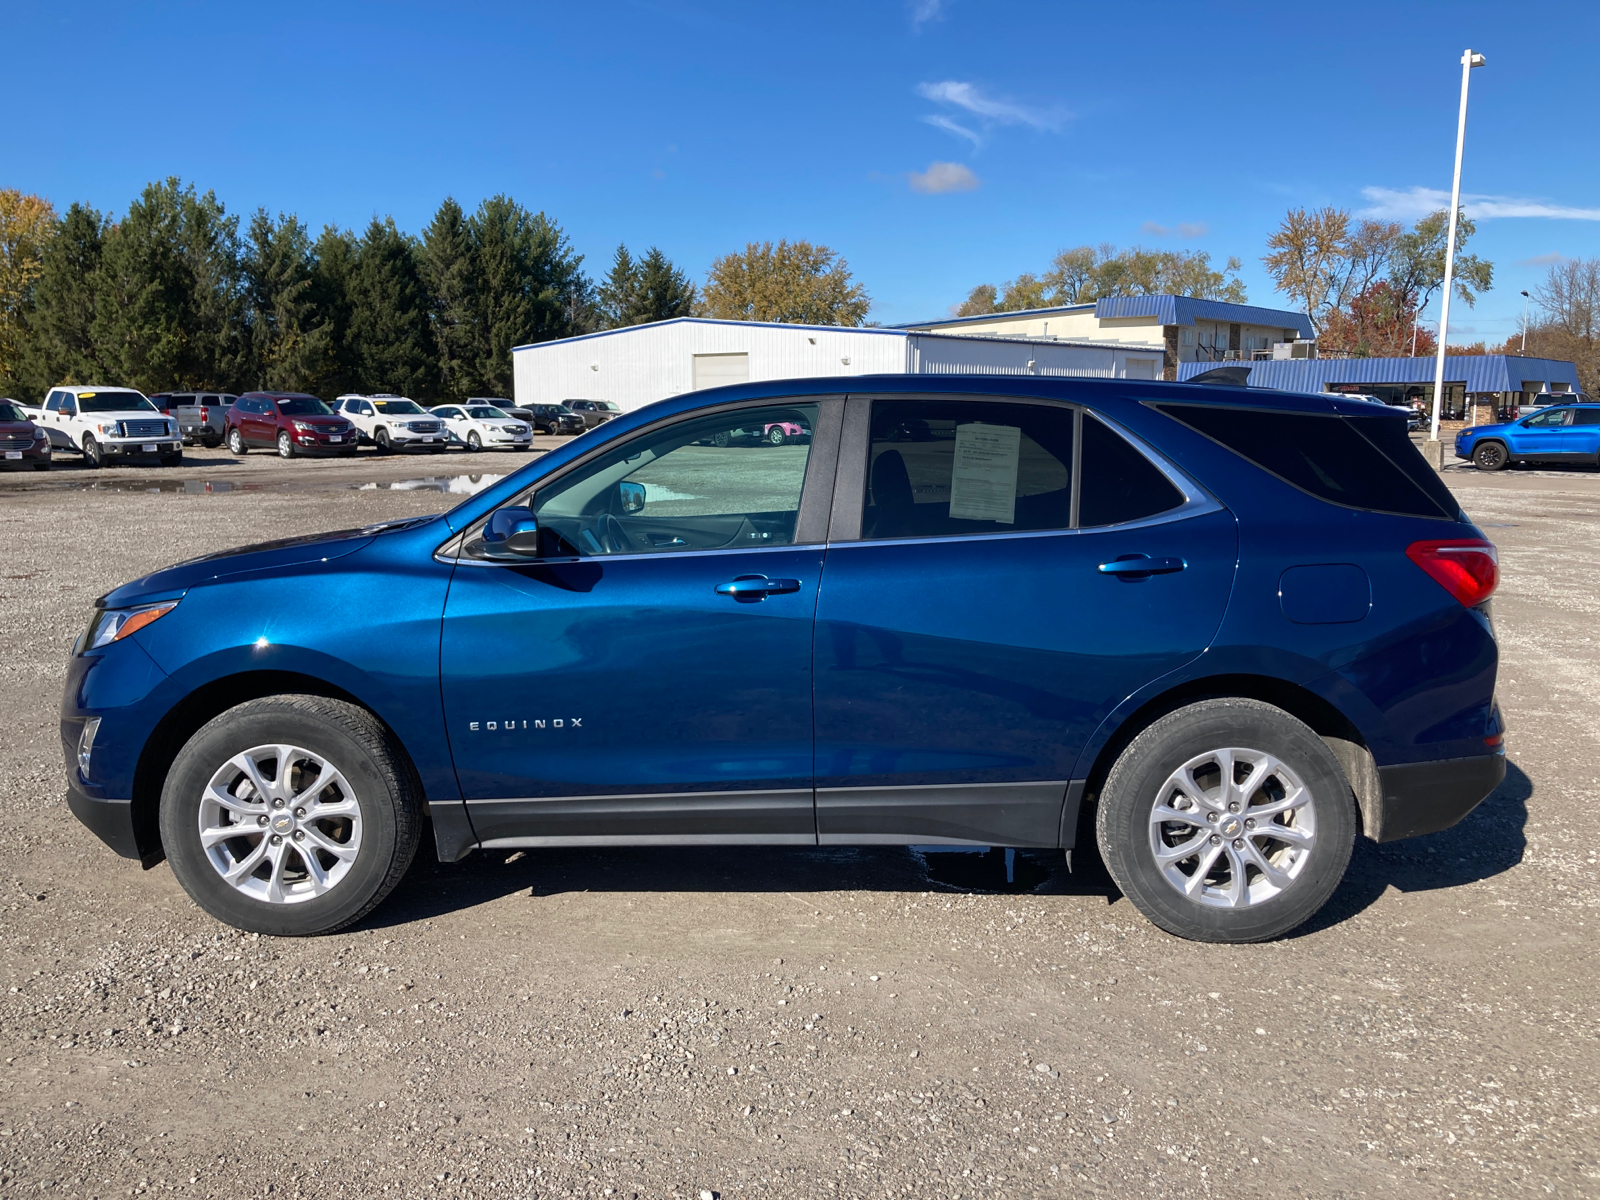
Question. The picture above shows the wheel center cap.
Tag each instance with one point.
(1231, 826)
(282, 822)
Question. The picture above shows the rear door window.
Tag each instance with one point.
(948, 468)
(1356, 462)
(1586, 416)
(1119, 484)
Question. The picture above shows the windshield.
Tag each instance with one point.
(10, 412)
(302, 406)
(607, 405)
(114, 402)
(485, 412)
(398, 408)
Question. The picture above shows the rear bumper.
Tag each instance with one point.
(112, 822)
(1426, 797)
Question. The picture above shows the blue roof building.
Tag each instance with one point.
(1509, 378)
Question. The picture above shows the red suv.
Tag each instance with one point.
(22, 443)
(292, 421)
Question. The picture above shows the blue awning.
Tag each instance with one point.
(1480, 372)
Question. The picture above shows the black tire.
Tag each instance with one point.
(211, 443)
(380, 439)
(93, 455)
(776, 436)
(474, 442)
(1137, 782)
(286, 446)
(354, 742)
(236, 442)
(522, 449)
(1490, 456)
(172, 460)
(721, 440)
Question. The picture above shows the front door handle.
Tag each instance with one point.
(757, 587)
(1137, 565)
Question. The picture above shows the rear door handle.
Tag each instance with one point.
(1136, 565)
(757, 587)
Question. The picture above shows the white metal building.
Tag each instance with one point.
(644, 363)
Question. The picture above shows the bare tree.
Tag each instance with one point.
(1309, 259)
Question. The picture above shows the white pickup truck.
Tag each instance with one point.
(106, 424)
(393, 423)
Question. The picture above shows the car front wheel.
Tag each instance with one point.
(474, 442)
(1227, 821)
(290, 815)
(285, 444)
(1490, 456)
(236, 441)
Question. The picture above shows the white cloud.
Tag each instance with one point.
(972, 99)
(923, 11)
(1182, 229)
(1542, 260)
(1411, 203)
(943, 177)
(938, 121)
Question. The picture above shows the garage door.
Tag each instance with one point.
(715, 370)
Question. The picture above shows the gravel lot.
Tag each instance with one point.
(789, 1023)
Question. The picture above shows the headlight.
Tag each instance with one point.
(303, 427)
(109, 428)
(40, 435)
(114, 624)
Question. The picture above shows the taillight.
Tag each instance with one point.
(1468, 569)
(205, 413)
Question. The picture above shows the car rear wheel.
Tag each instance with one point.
(1227, 821)
(775, 435)
(236, 442)
(286, 448)
(1491, 456)
(93, 454)
(474, 442)
(290, 815)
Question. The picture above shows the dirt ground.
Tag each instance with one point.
(796, 1022)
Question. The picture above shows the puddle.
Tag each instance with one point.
(452, 485)
(990, 869)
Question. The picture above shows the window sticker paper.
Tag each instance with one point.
(983, 481)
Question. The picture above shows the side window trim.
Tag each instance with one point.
(849, 500)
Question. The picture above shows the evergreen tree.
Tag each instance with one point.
(619, 292)
(448, 271)
(333, 264)
(56, 342)
(664, 291)
(529, 284)
(168, 300)
(388, 335)
(288, 339)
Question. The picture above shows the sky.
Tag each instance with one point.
(935, 144)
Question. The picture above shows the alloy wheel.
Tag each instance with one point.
(280, 824)
(1232, 827)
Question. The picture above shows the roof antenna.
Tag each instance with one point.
(1226, 376)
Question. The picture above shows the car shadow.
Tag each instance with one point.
(1488, 842)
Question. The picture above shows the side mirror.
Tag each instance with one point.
(632, 495)
(511, 533)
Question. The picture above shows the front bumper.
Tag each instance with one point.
(134, 447)
(421, 441)
(1426, 797)
(33, 456)
(112, 822)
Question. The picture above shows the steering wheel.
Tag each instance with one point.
(612, 535)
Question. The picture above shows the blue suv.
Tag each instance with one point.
(1565, 433)
(1222, 631)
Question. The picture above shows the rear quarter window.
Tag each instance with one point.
(1355, 462)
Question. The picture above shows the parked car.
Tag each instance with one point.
(292, 422)
(1562, 433)
(106, 424)
(593, 412)
(393, 423)
(481, 426)
(1225, 629)
(202, 416)
(556, 419)
(769, 433)
(22, 442)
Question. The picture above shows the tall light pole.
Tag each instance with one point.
(1524, 322)
(1468, 61)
